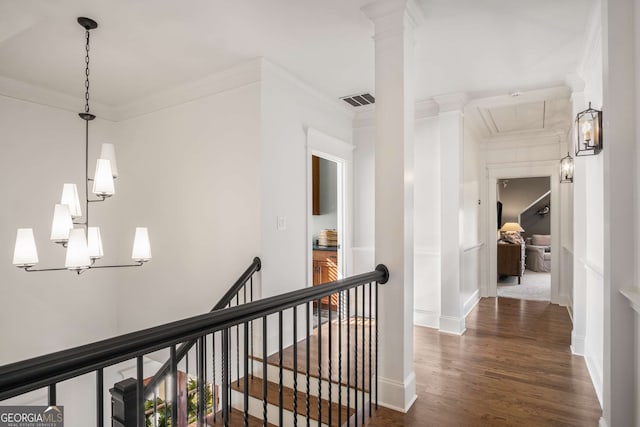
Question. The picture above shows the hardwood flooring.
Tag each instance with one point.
(513, 366)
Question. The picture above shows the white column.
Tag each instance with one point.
(579, 332)
(620, 172)
(451, 123)
(394, 21)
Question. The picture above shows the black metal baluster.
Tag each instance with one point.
(174, 385)
(245, 329)
(264, 371)
(201, 371)
(280, 390)
(377, 289)
(355, 353)
(238, 345)
(52, 395)
(319, 362)
(166, 403)
(225, 377)
(206, 378)
(214, 400)
(251, 342)
(370, 366)
(155, 408)
(186, 377)
(364, 353)
(295, 366)
(308, 340)
(340, 315)
(100, 397)
(329, 358)
(140, 391)
(348, 292)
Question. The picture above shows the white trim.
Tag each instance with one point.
(452, 325)
(592, 267)
(602, 422)
(471, 302)
(426, 251)
(396, 395)
(331, 148)
(475, 247)
(426, 318)
(577, 344)
(633, 295)
(596, 377)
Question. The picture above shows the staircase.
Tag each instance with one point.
(319, 367)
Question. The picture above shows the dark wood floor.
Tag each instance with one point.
(513, 366)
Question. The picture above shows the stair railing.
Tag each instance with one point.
(351, 318)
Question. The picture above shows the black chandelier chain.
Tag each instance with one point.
(86, 72)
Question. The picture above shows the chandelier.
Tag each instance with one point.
(83, 243)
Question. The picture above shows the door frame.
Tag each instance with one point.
(512, 171)
(334, 149)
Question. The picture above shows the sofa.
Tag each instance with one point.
(538, 252)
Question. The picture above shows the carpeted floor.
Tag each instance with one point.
(535, 286)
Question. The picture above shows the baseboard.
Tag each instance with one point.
(471, 302)
(577, 344)
(452, 325)
(596, 377)
(426, 318)
(397, 396)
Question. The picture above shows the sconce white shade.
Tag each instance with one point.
(511, 226)
(70, 198)
(25, 253)
(141, 246)
(108, 152)
(103, 179)
(62, 223)
(94, 243)
(77, 251)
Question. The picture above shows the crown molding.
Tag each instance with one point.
(232, 78)
(22, 91)
(337, 104)
(451, 102)
(574, 82)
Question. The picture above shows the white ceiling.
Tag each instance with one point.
(143, 46)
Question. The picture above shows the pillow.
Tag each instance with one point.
(541, 240)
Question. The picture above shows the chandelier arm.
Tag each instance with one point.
(137, 264)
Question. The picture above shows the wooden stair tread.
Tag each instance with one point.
(236, 418)
(273, 396)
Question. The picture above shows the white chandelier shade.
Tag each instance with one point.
(62, 223)
(70, 198)
(94, 242)
(103, 179)
(77, 251)
(25, 253)
(141, 245)
(108, 152)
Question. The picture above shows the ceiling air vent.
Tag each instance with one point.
(359, 100)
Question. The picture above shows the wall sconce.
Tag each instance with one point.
(589, 132)
(544, 211)
(566, 169)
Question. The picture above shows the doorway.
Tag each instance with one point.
(524, 245)
(498, 174)
(329, 163)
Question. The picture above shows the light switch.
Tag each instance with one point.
(282, 223)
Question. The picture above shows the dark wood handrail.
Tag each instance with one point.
(28, 375)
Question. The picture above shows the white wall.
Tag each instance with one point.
(42, 148)
(192, 174)
(472, 243)
(289, 108)
(588, 221)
